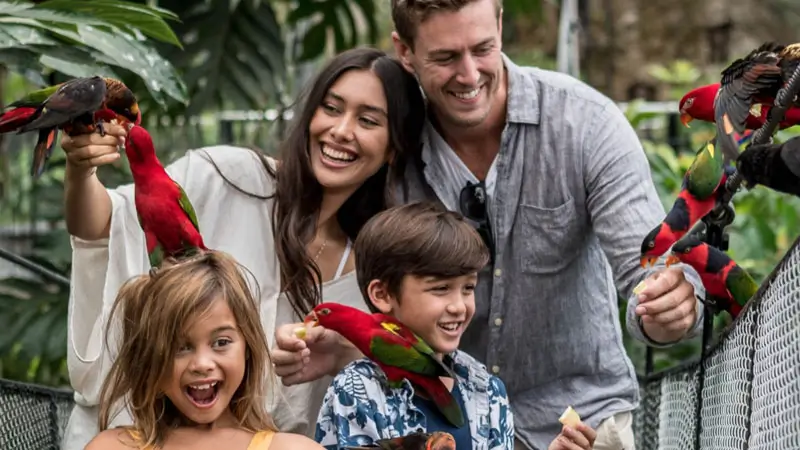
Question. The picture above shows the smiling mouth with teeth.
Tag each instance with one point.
(337, 155)
(203, 394)
(469, 95)
(450, 326)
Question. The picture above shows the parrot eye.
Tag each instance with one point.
(688, 249)
(324, 311)
(651, 244)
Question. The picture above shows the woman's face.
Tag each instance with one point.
(349, 132)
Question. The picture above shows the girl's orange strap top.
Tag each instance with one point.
(260, 441)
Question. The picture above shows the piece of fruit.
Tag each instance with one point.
(639, 287)
(570, 418)
(300, 332)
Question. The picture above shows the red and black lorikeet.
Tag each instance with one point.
(730, 284)
(437, 440)
(399, 352)
(77, 106)
(699, 104)
(698, 196)
(165, 213)
(776, 166)
(756, 78)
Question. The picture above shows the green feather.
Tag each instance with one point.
(187, 207)
(741, 285)
(406, 358)
(702, 177)
(36, 97)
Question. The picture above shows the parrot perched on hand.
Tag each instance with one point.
(698, 196)
(699, 104)
(399, 352)
(756, 78)
(721, 276)
(165, 213)
(77, 106)
(437, 440)
(776, 166)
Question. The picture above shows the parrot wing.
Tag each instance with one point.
(758, 74)
(703, 176)
(35, 98)
(72, 99)
(187, 207)
(387, 350)
(740, 285)
(399, 331)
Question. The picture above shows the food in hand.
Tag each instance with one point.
(570, 418)
(300, 332)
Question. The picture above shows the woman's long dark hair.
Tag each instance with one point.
(298, 194)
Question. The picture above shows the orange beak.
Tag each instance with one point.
(311, 319)
(672, 259)
(685, 119)
(135, 110)
(648, 261)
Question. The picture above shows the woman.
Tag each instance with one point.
(290, 223)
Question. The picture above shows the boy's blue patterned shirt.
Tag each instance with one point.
(360, 407)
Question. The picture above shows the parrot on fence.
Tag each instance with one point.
(699, 104)
(399, 352)
(721, 276)
(756, 78)
(165, 213)
(698, 196)
(77, 106)
(437, 440)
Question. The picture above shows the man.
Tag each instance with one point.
(556, 181)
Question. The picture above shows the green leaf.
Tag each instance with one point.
(159, 76)
(25, 34)
(314, 41)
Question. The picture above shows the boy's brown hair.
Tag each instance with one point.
(155, 311)
(408, 14)
(421, 239)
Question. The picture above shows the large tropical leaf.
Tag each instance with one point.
(337, 17)
(87, 37)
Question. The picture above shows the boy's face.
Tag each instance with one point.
(437, 310)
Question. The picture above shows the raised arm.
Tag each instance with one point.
(624, 206)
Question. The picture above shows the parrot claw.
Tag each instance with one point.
(648, 261)
(100, 128)
(672, 259)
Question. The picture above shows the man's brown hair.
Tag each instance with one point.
(421, 239)
(408, 14)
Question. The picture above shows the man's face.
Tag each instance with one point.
(457, 60)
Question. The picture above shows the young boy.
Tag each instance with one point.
(419, 263)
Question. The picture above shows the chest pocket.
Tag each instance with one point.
(549, 237)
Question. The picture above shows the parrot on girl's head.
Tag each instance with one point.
(438, 440)
(165, 213)
(399, 352)
(721, 276)
(77, 106)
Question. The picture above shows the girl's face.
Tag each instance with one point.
(208, 367)
(350, 132)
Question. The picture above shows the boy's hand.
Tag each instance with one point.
(581, 437)
(320, 352)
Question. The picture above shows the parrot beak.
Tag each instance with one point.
(685, 119)
(648, 261)
(135, 110)
(311, 319)
(672, 259)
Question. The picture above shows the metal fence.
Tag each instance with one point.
(749, 397)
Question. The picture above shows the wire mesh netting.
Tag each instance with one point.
(750, 397)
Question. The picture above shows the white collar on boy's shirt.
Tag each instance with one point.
(444, 171)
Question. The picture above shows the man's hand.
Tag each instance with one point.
(667, 305)
(321, 352)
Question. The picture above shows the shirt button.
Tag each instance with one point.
(495, 370)
(498, 321)
(497, 272)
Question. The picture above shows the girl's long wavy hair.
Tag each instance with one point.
(298, 194)
(153, 312)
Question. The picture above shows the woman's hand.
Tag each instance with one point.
(580, 437)
(86, 152)
(321, 352)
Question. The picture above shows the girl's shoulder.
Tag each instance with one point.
(113, 439)
(291, 441)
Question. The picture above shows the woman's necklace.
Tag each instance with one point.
(321, 248)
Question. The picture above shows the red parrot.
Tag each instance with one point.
(438, 440)
(399, 352)
(699, 104)
(730, 284)
(697, 197)
(165, 213)
(756, 78)
(77, 106)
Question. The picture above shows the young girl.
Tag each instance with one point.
(192, 364)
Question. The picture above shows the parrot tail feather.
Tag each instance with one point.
(16, 118)
(443, 398)
(43, 150)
